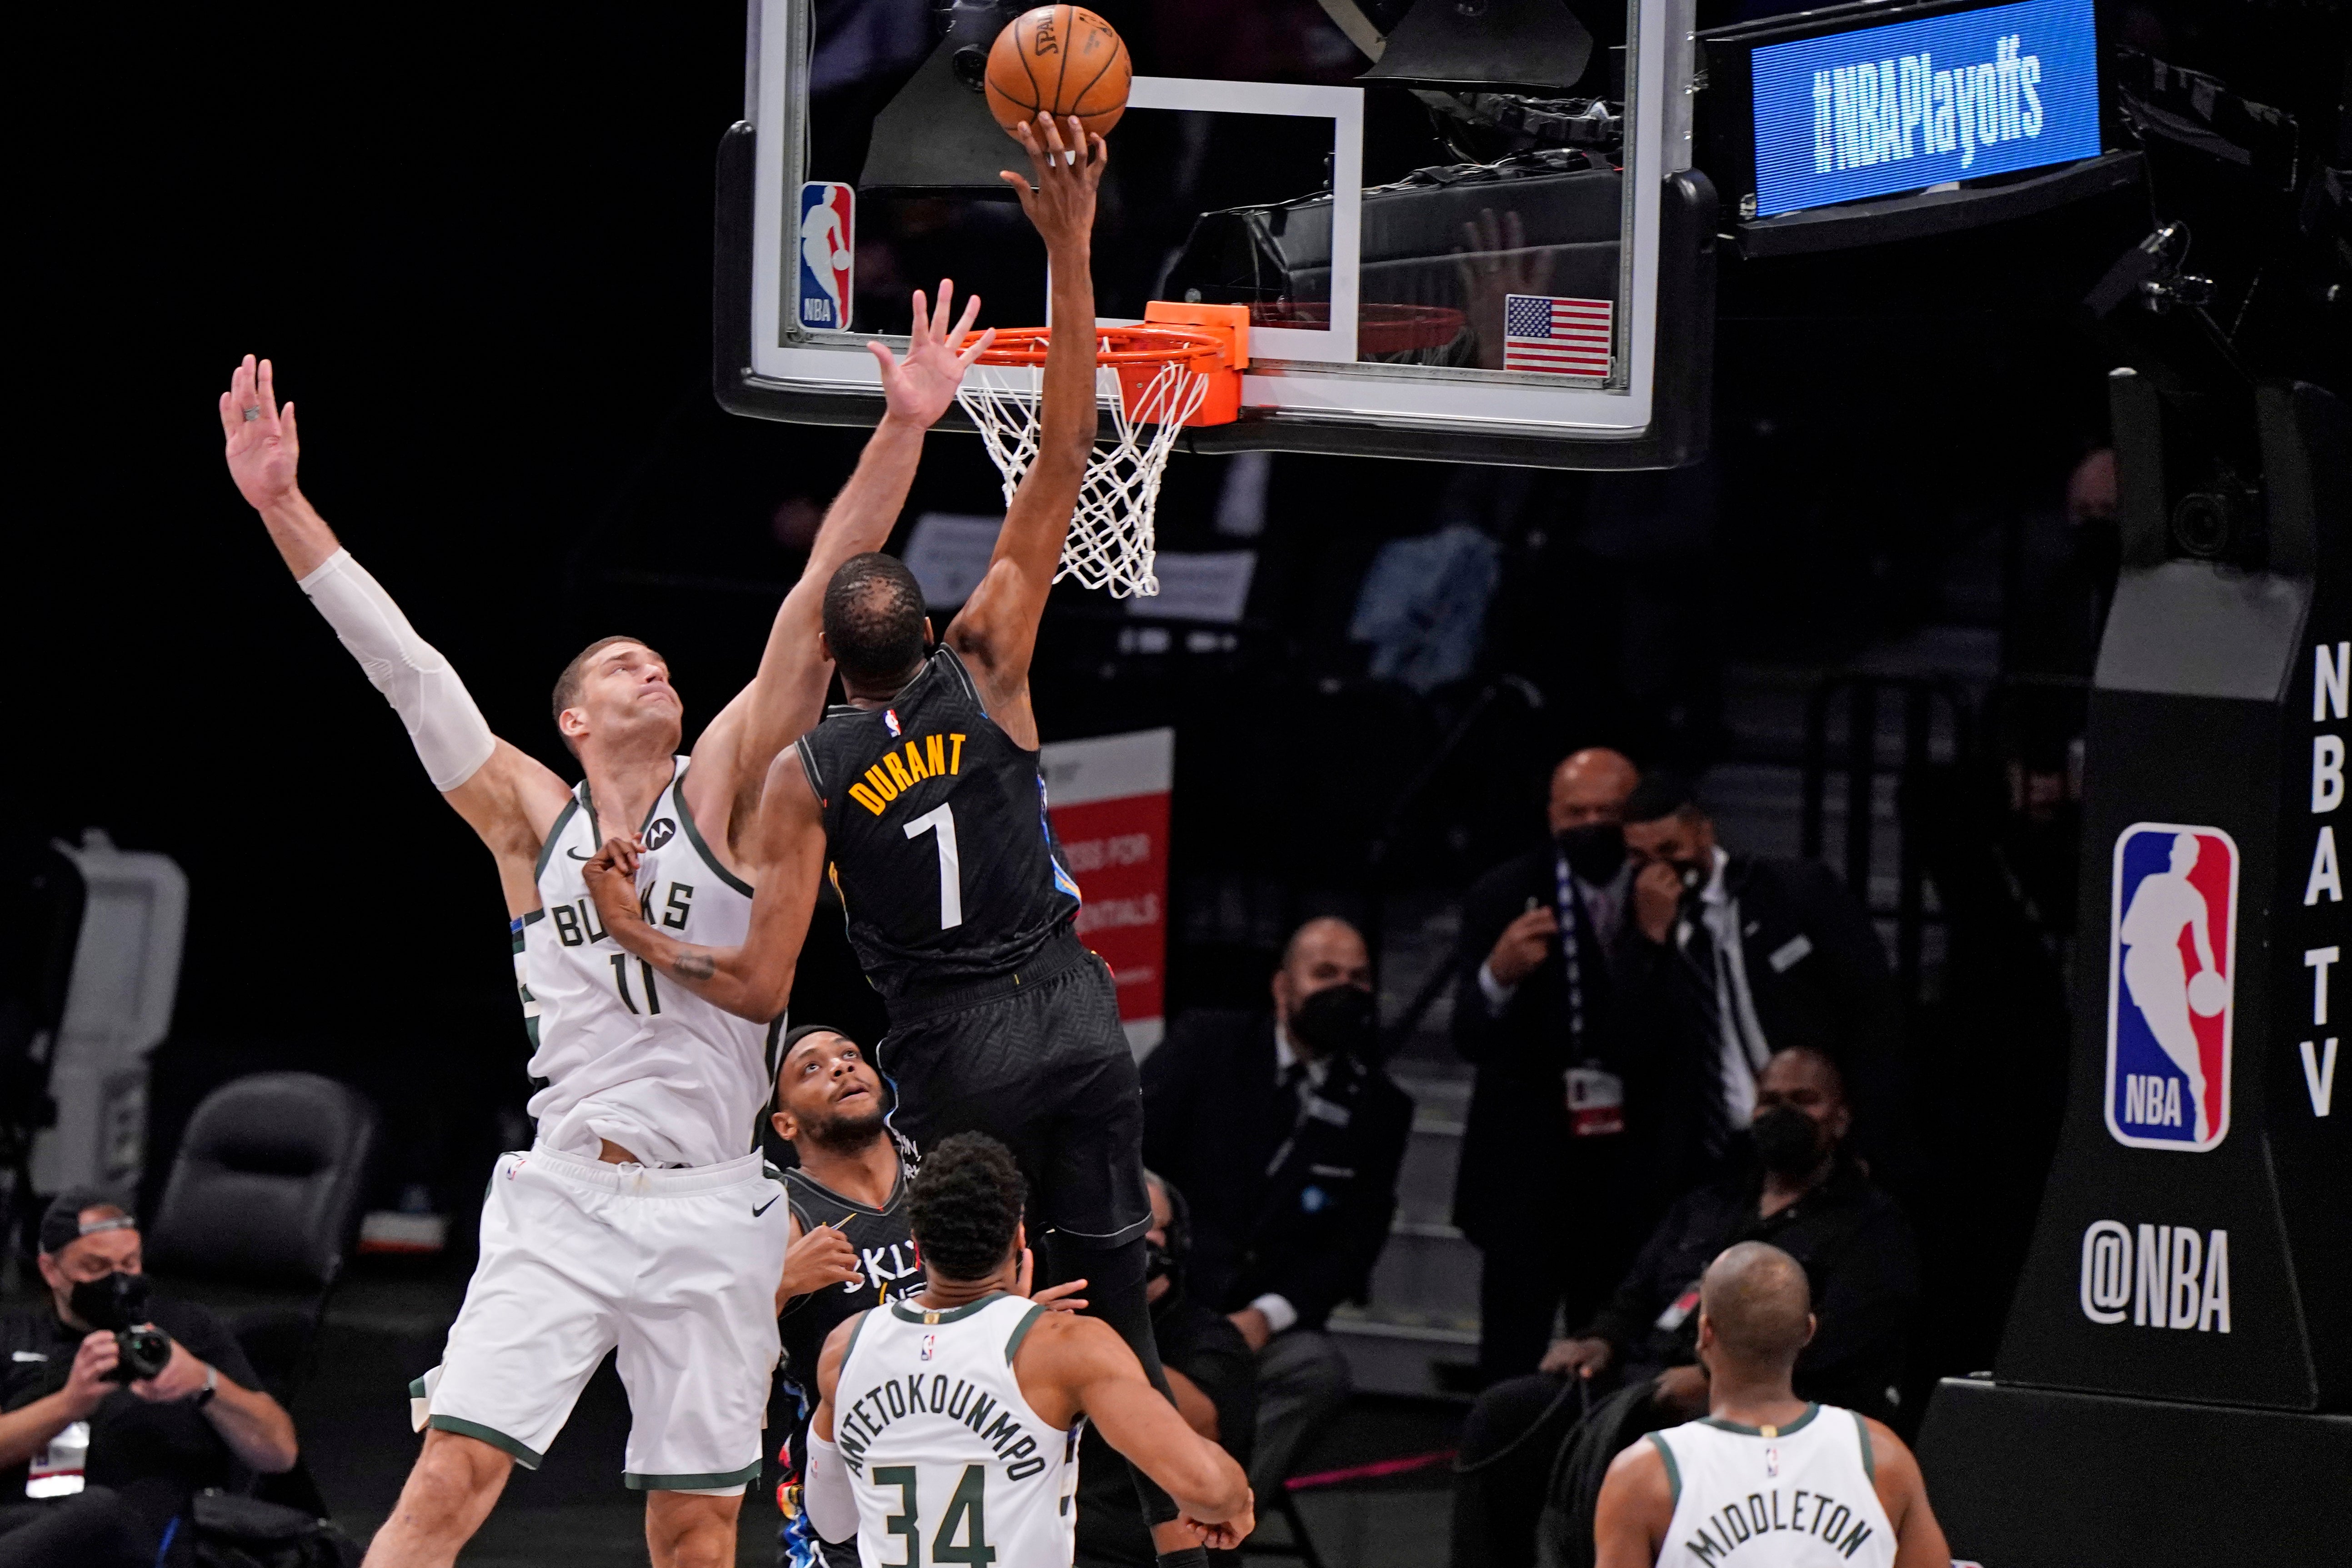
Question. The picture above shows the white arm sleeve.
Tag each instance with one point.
(444, 725)
(826, 1494)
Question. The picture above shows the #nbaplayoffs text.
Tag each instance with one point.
(1887, 110)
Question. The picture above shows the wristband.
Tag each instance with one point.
(204, 1396)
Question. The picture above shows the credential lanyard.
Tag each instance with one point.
(1571, 954)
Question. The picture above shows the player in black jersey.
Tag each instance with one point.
(922, 799)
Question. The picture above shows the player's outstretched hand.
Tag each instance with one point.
(919, 388)
(1068, 163)
(262, 447)
(1063, 1298)
(612, 877)
(819, 1259)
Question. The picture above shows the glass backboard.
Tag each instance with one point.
(1438, 261)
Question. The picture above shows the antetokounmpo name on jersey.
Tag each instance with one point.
(1760, 1514)
(922, 757)
(860, 1422)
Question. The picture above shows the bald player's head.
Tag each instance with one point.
(1756, 1312)
(1590, 786)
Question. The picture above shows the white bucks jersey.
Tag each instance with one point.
(622, 1052)
(948, 1462)
(1774, 1497)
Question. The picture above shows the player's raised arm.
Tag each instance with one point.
(787, 696)
(997, 631)
(787, 856)
(1085, 1360)
(509, 798)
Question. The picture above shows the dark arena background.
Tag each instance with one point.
(1863, 591)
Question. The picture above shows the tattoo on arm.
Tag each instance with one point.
(692, 966)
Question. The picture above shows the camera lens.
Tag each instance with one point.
(2201, 525)
(140, 1353)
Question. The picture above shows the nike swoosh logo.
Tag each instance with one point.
(577, 856)
(764, 1207)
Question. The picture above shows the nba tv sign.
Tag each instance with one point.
(2171, 975)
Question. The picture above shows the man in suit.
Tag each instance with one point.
(1286, 1138)
(1543, 1190)
(1753, 955)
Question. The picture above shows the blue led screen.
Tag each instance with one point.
(1912, 104)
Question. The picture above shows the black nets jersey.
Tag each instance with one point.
(935, 824)
(888, 1271)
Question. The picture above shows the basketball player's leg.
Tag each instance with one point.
(695, 1348)
(535, 1324)
(450, 1492)
(691, 1530)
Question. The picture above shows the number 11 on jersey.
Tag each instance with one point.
(941, 821)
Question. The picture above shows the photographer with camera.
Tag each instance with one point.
(116, 1410)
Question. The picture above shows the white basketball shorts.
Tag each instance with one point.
(675, 1270)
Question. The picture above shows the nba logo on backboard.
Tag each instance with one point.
(2171, 973)
(828, 247)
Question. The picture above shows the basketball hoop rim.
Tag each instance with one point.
(1198, 351)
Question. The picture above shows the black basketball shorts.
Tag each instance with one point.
(1037, 1061)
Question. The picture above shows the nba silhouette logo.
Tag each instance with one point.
(931, 1347)
(2171, 977)
(828, 247)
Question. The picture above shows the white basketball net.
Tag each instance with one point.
(1110, 542)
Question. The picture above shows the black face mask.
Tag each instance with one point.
(110, 1301)
(1787, 1141)
(1334, 1021)
(1593, 851)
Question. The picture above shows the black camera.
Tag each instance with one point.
(139, 1353)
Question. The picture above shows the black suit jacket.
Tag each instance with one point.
(1516, 1150)
(1818, 977)
(1859, 1256)
(1214, 1119)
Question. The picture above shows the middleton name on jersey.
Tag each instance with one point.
(1716, 1536)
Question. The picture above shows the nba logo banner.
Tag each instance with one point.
(828, 247)
(2171, 974)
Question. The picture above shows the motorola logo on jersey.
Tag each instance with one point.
(2171, 973)
(659, 832)
(828, 249)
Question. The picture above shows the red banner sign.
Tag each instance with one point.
(1108, 800)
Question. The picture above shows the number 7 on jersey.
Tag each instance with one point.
(941, 821)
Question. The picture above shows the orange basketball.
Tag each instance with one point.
(1060, 59)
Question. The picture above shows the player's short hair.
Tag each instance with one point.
(1758, 1301)
(1660, 794)
(874, 618)
(575, 674)
(965, 1205)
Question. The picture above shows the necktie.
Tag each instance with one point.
(1704, 975)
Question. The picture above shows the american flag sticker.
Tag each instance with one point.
(1558, 337)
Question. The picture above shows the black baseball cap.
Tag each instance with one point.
(61, 1221)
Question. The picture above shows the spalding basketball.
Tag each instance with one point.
(1058, 60)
